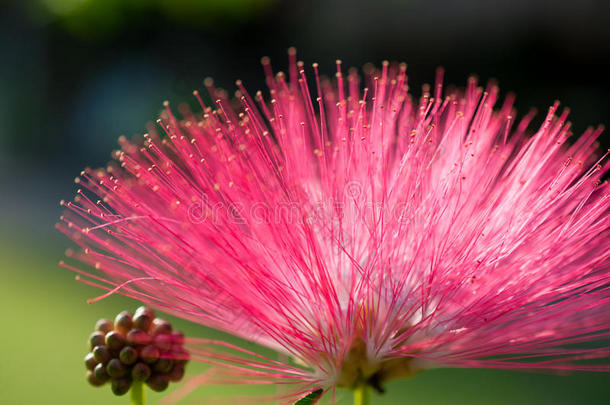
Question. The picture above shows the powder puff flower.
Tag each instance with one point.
(363, 234)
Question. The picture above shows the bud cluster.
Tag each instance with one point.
(135, 348)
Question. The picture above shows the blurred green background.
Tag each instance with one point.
(76, 74)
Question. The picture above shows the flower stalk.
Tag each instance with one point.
(362, 395)
(138, 396)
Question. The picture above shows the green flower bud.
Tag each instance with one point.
(163, 342)
(96, 339)
(104, 325)
(163, 365)
(140, 372)
(149, 354)
(177, 337)
(123, 322)
(100, 373)
(138, 337)
(158, 382)
(115, 340)
(180, 355)
(128, 355)
(93, 380)
(120, 386)
(138, 347)
(101, 354)
(145, 311)
(176, 373)
(90, 361)
(116, 369)
(161, 327)
(142, 321)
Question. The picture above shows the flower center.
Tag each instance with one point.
(360, 368)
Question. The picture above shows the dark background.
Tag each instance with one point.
(76, 74)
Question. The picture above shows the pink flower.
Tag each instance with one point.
(363, 234)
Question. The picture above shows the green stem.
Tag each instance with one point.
(137, 393)
(362, 395)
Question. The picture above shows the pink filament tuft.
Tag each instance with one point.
(437, 229)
